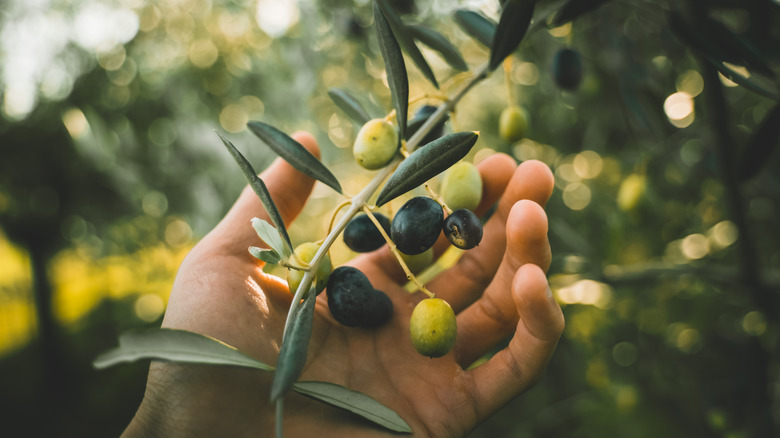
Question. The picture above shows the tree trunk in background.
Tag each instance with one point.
(53, 363)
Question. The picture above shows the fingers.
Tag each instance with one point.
(496, 172)
(515, 368)
(532, 181)
(289, 190)
(493, 317)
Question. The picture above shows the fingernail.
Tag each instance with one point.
(549, 292)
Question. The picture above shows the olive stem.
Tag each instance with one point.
(394, 250)
(335, 212)
(436, 198)
(362, 198)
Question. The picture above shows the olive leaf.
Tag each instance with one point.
(573, 9)
(439, 43)
(175, 346)
(512, 26)
(698, 39)
(405, 40)
(294, 153)
(763, 143)
(261, 191)
(349, 105)
(476, 26)
(425, 163)
(395, 67)
(354, 401)
(267, 255)
(295, 343)
(270, 235)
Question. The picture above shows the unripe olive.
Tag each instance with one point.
(354, 302)
(433, 327)
(418, 262)
(416, 225)
(631, 191)
(305, 253)
(420, 117)
(361, 235)
(512, 123)
(461, 186)
(463, 229)
(376, 144)
(567, 69)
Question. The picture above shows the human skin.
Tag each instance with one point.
(498, 289)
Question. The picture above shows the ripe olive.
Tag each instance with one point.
(512, 123)
(354, 302)
(420, 117)
(418, 262)
(376, 144)
(567, 69)
(305, 253)
(361, 235)
(461, 186)
(433, 327)
(416, 225)
(463, 229)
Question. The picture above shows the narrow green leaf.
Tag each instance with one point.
(706, 47)
(735, 47)
(476, 26)
(175, 346)
(406, 41)
(395, 67)
(353, 401)
(261, 191)
(349, 105)
(439, 43)
(270, 235)
(267, 255)
(573, 9)
(512, 26)
(292, 356)
(294, 153)
(425, 163)
(763, 143)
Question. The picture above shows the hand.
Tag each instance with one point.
(497, 290)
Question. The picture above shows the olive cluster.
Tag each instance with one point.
(414, 229)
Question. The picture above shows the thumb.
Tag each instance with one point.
(289, 191)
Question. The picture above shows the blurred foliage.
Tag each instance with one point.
(668, 268)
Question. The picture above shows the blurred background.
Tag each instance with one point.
(663, 223)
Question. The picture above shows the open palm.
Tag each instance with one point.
(497, 290)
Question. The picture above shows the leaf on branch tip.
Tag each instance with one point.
(476, 26)
(394, 66)
(292, 356)
(261, 191)
(405, 40)
(512, 26)
(349, 105)
(175, 346)
(294, 153)
(267, 255)
(439, 43)
(353, 401)
(425, 163)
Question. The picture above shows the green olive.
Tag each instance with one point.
(418, 262)
(461, 186)
(433, 327)
(305, 253)
(376, 144)
(512, 124)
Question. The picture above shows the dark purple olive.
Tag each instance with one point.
(463, 229)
